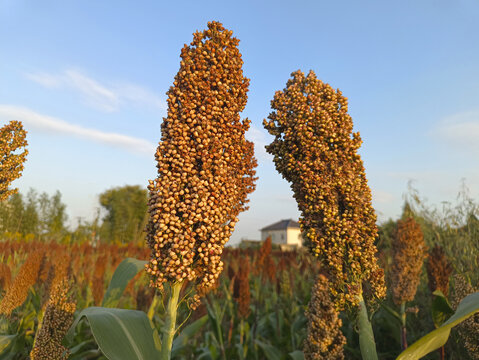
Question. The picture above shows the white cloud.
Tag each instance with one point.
(96, 94)
(460, 130)
(107, 98)
(58, 126)
(382, 197)
(46, 80)
(258, 137)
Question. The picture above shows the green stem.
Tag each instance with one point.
(170, 322)
(153, 306)
(366, 335)
(402, 313)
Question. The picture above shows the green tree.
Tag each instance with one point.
(125, 217)
(39, 214)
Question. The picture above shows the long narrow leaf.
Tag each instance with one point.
(127, 269)
(440, 308)
(269, 351)
(297, 355)
(181, 341)
(5, 341)
(121, 334)
(366, 335)
(437, 338)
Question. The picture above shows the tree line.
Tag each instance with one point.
(120, 217)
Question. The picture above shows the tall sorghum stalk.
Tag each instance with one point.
(12, 156)
(439, 270)
(205, 169)
(409, 251)
(316, 151)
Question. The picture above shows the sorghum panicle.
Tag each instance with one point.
(409, 251)
(27, 276)
(469, 328)
(439, 270)
(12, 156)
(5, 277)
(263, 253)
(57, 320)
(325, 339)
(205, 164)
(98, 281)
(241, 290)
(315, 150)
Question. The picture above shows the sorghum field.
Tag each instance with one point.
(169, 287)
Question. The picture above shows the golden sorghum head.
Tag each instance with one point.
(5, 277)
(409, 251)
(325, 339)
(205, 164)
(12, 156)
(269, 271)
(263, 253)
(439, 269)
(98, 281)
(27, 276)
(314, 149)
(241, 291)
(57, 320)
(469, 328)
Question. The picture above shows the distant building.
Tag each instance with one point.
(285, 233)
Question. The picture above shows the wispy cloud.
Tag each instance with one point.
(382, 197)
(460, 130)
(58, 126)
(105, 97)
(258, 137)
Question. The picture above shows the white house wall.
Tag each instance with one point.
(277, 236)
(294, 237)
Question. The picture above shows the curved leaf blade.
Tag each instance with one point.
(441, 310)
(121, 334)
(5, 341)
(437, 338)
(297, 355)
(269, 351)
(127, 269)
(181, 341)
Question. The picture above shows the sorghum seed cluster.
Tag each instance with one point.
(409, 251)
(469, 328)
(315, 150)
(325, 339)
(241, 290)
(27, 276)
(56, 322)
(439, 269)
(12, 141)
(205, 164)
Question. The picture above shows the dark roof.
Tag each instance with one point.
(282, 225)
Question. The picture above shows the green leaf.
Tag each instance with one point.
(297, 355)
(440, 308)
(366, 335)
(5, 341)
(121, 334)
(181, 341)
(392, 312)
(437, 338)
(126, 271)
(269, 350)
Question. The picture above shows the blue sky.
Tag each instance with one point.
(88, 79)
